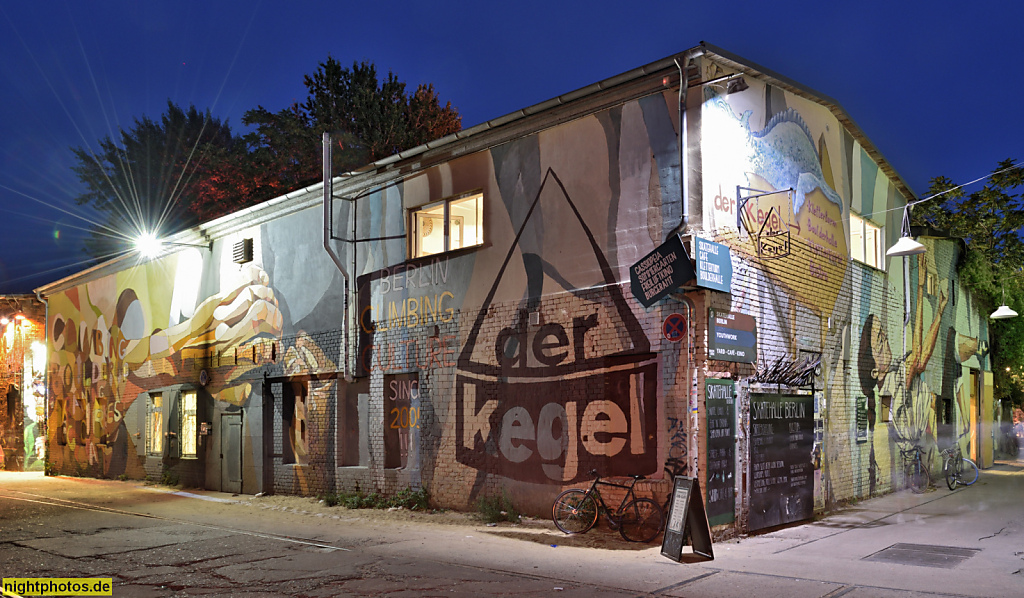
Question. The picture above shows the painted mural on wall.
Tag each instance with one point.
(144, 328)
(554, 372)
(912, 366)
(774, 184)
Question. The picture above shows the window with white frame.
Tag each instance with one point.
(447, 225)
(866, 242)
(189, 426)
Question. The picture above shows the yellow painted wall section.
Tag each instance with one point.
(987, 421)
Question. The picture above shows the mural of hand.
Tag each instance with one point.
(228, 323)
(224, 321)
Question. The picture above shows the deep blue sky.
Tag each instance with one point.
(937, 89)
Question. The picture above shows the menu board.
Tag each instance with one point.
(721, 446)
(781, 443)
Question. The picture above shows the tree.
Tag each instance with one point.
(371, 119)
(990, 221)
(144, 178)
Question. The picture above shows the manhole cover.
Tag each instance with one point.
(923, 555)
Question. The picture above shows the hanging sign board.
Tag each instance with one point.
(687, 524)
(732, 336)
(660, 272)
(714, 265)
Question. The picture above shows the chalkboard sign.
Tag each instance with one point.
(720, 406)
(687, 523)
(781, 446)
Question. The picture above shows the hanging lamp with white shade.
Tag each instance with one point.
(906, 245)
(1003, 311)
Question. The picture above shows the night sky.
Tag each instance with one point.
(938, 90)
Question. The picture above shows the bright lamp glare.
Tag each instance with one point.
(148, 245)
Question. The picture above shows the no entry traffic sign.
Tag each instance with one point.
(674, 328)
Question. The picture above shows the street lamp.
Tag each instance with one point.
(149, 246)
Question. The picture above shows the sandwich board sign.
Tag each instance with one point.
(687, 524)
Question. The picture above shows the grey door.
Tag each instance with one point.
(231, 452)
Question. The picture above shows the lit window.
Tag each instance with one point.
(155, 424)
(866, 242)
(447, 225)
(189, 441)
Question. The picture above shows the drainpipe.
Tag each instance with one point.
(46, 386)
(683, 141)
(328, 219)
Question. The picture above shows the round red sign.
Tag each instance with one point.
(674, 327)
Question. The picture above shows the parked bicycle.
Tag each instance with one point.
(915, 469)
(575, 511)
(959, 470)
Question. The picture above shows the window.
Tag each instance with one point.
(155, 424)
(447, 225)
(866, 241)
(189, 440)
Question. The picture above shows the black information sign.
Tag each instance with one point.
(732, 336)
(862, 419)
(687, 523)
(661, 271)
(781, 443)
(721, 469)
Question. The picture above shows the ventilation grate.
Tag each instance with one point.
(923, 555)
(241, 253)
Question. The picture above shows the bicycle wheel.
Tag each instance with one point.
(574, 511)
(641, 520)
(918, 478)
(952, 475)
(969, 475)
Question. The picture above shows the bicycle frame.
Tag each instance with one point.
(612, 516)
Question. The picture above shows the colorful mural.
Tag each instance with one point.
(118, 336)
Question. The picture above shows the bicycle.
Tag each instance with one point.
(918, 478)
(575, 511)
(958, 469)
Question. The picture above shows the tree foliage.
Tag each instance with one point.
(144, 179)
(990, 221)
(167, 174)
(370, 118)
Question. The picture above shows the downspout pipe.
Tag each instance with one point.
(328, 228)
(683, 140)
(46, 386)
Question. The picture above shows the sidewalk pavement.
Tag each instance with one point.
(972, 538)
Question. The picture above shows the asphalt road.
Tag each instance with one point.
(154, 542)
